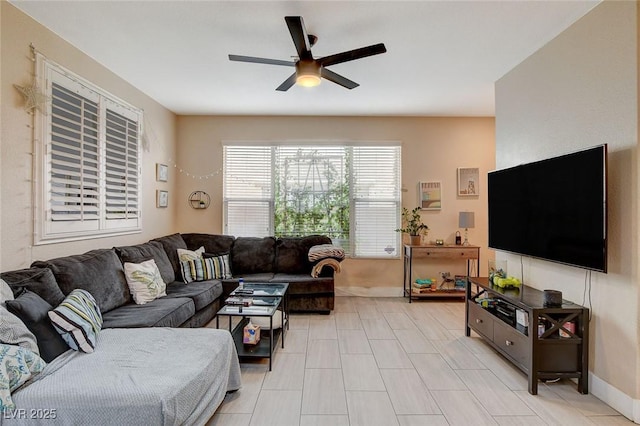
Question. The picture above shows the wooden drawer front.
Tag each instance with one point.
(513, 343)
(481, 320)
(445, 253)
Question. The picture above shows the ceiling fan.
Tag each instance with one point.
(309, 71)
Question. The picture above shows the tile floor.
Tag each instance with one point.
(383, 361)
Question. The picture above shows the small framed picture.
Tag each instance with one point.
(468, 178)
(162, 172)
(162, 198)
(430, 195)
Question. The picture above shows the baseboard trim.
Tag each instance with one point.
(616, 399)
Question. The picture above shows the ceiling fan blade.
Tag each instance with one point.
(286, 85)
(338, 79)
(299, 36)
(253, 59)
(350, 55)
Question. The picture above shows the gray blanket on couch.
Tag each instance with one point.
(145, 376)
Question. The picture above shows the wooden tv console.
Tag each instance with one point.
(556, 352)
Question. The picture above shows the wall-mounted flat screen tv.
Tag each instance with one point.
(554, 209)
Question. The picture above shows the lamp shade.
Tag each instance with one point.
(466, 220)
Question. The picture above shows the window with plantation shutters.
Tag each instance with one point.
(348, 192)
(88, 160)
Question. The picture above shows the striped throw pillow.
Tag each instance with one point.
(208, 268)
(78, 320)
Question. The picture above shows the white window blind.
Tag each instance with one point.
(88, 160)
(290, 190)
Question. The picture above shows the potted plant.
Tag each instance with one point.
(412, 225)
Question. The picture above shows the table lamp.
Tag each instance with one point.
(466, 220)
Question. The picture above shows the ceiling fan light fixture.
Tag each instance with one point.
(307, 73)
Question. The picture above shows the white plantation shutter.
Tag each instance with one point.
(250, 175)
(248, 191)
(376, 200)
(89, 180)
(121, 167)
(74, 156)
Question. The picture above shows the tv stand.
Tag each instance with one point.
(561, 350)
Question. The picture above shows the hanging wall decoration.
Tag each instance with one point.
(430, 195)
(33, 97)
(468, 178)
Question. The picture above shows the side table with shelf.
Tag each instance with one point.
(554, 344)
(442, 252)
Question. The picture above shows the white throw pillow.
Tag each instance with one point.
(185, 255)
(145, 281)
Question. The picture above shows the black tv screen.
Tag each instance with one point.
(554, 209)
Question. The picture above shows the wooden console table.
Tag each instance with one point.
(411, 252)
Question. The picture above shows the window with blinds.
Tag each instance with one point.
(88, 174)
(349, 193)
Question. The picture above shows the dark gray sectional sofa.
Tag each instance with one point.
(101, 273)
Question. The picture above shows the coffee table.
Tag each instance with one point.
(266, 299)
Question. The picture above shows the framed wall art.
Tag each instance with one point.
(430, 195)
(162, 172)
(162, 198)
(468, 178)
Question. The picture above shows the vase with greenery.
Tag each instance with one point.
(412, 225)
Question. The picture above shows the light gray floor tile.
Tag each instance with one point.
(222, 419)
(588, 404)
(462, 408)
(433, 329)
(408, 393)
(377, 328)
(552, 409)
(348, 321)
(370, 409)
(277, 408)
(353, 342)
(399, 321)
(244, 400)
(389, 354)
(414, 342)
(436, 373)
(611, 421)
(474, 343)
(287, 372)
(519, 421)
(508, 374)
(343, 304)
(324, 420)
(322, 328)
(323, 392)
(323, 354)
(366, 308)
(448, 316)
(423, 420)
(295, 342)
(494, 395)
(389, 304)
(299, 322)
(361, 373)
(457, 355)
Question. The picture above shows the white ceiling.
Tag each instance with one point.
(442, 58)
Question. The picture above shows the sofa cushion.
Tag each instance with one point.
(251, 255)
(78, 320)
(38, 280)
(204, 269)
(17, 366)
(215, 244)
(163, 312)
(171, 244)
(32, 310)
(151, 250)
(292, 253)
(99, 272)
(201, 292)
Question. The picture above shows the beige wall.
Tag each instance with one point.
(16, 148)
(432, 149)
(578, 91)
